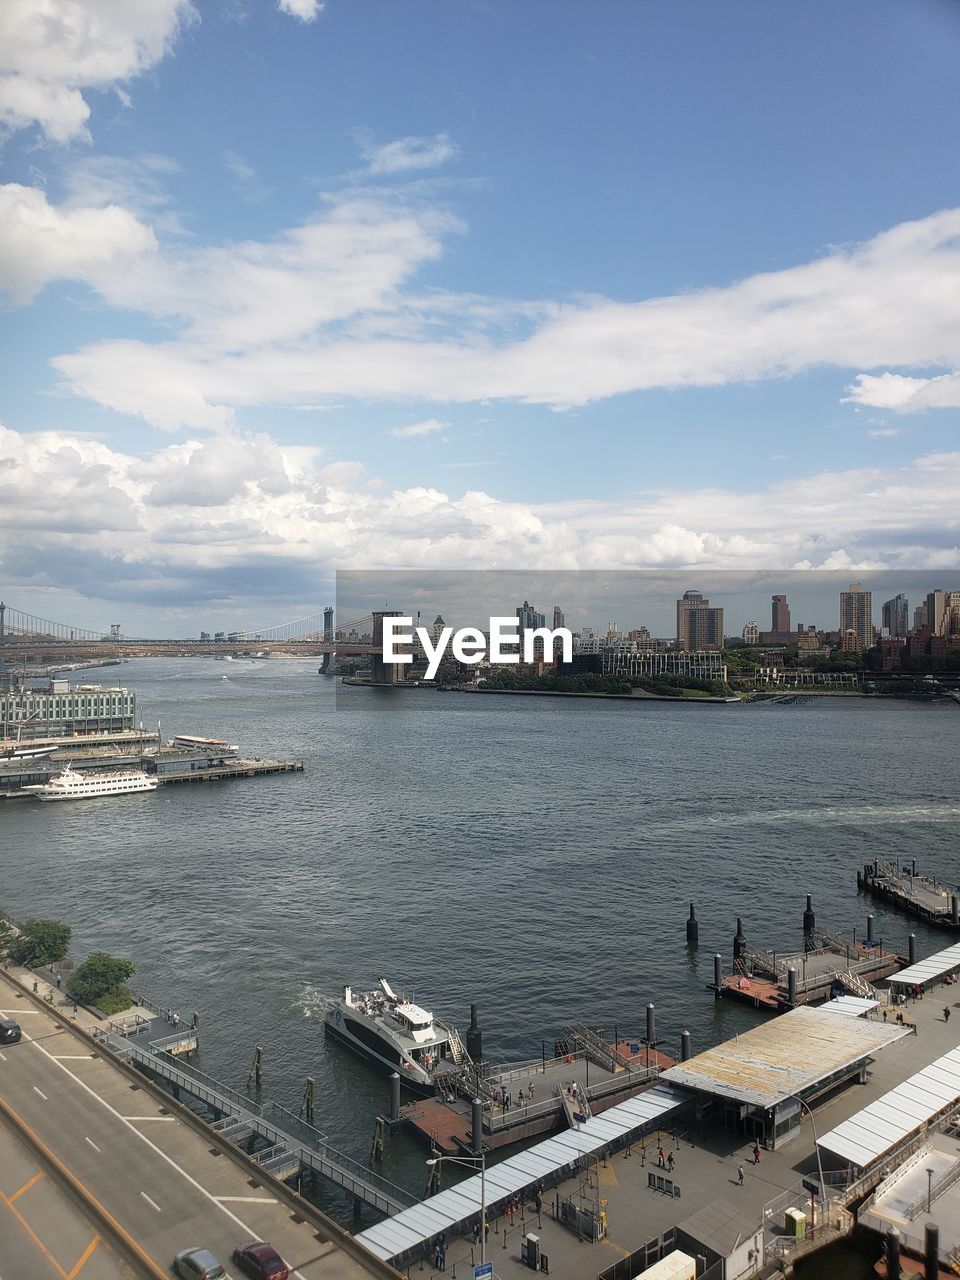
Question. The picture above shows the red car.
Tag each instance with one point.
(261, 1261)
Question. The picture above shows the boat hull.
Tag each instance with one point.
(421, 1088)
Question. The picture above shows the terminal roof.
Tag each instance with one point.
(788, 1055)
(935, 966)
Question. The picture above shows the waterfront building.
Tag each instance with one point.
(630, 660)
(57, 711)
(895, 615)
(856, 615)
(558, 618)
(698, 626)
(751, 632)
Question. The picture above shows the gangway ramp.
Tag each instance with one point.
(294, 1143)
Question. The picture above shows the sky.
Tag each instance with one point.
(288, 287)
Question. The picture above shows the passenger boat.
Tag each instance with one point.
(73, 785)
(396, 1035)
(216, 746)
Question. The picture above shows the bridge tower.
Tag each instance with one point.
(3, 610)
(327, 666)
(384, 672)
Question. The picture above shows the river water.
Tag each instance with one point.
(534, 855)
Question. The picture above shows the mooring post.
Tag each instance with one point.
(693, 927)
(932, 1252)
(893, 1254)
(376, 1149)
(256, 1069)
(476, 1127)
(684, 1046)
(395, 1096)
(870, 929)
(717, 975)
(955, 909)
(792, 987)
(912, 948)
(306, 1107)
(739, 942)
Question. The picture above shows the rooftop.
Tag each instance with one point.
(785, 1056)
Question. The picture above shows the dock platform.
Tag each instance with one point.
(533, 1093)
(226, 769)
(921, 896)
(763, 978)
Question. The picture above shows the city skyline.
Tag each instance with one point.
(291, 287)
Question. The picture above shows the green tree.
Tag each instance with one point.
(7, 936)
(100, 979)
(41, 942)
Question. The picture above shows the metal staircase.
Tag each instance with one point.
(856, 985)
(597, 1050)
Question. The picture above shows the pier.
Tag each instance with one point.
(916, 895)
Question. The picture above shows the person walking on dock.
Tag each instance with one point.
(756, 1153)
(740, 1176)
(670, 1162)
(946, 1013)
(661, 1158)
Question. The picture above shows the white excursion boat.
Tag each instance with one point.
(397, 1035)
(73, 785)
(217, 746)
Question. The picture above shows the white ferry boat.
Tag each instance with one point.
(216, 746)
(72, 785)
(396, 1035)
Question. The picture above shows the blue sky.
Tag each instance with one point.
(296, 287)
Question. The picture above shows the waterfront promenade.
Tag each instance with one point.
(149, 1176)
(706, 1174)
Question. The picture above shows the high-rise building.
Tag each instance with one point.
(528, 617)
(920, 616)
(856, 615)
(558, 619)
(698, 626)
(436, 631)
(895, 617)
(780, 616)
(751, 632)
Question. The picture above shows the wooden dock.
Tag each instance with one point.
(920, 896)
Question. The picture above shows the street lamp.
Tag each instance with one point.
(471, 1162)
(929, 1188)
(823, 1189)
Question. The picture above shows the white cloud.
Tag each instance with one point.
(883, 433)
(331, 309)
(425, 428)
(905, 394)
(405, 154)
(305, 10)
(40, 243)
(51, 50)
(240, 514)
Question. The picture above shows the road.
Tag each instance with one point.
(129, 1155)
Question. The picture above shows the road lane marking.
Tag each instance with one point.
(138, 1118)
(3, 1056)
(33, 1235)
(93, 1144)
(251, 1234)
(26, 1186)
(41, 1093)
(153, 1204)
(73, 1057)
(83, 1259)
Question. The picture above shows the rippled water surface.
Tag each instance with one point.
(534, 855)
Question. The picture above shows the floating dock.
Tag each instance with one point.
(173, 771)
(828, 963)
(525, 1100)
(921, 896)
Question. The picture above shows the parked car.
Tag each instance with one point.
(260, 1261)
(197, 1264)
(10, 1031)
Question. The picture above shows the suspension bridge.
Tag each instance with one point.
(26, 635)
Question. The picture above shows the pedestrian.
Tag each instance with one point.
(443, 1259)
(520, 1097)
(670, 1162)
(437, 1255)
(661, 1158)
(884, 1015)
(538, 1202)
(740, 1176)
(946, 1014)
(35, 987)
(756, 1153)
(476, 1232)
(530, 1093)
(175, 1019)
(59, 981)
(76, 1008)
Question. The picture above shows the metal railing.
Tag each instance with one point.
(935, 1191)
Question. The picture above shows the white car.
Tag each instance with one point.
(197, 1264)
